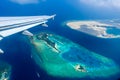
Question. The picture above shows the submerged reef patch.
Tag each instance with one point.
(5, 71)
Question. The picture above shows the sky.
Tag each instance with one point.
(88, 8)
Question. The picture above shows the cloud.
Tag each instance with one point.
(102, 3)
(25, 1)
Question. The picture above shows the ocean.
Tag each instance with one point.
(18, 50)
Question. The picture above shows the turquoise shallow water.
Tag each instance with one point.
(5, 71)
(57, 55)
(114, 31)
(18, 52)
(105, 47)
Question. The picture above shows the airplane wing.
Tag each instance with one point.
(12, 25)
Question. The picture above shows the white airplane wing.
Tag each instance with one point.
(12, 25)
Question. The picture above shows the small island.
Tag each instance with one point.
(94, 28)
(60, 57)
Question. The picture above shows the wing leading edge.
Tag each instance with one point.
(12, 25)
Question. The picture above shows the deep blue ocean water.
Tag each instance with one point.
(18, 53)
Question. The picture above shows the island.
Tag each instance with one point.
(5, 71)
(99, 29)
(60, 57)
